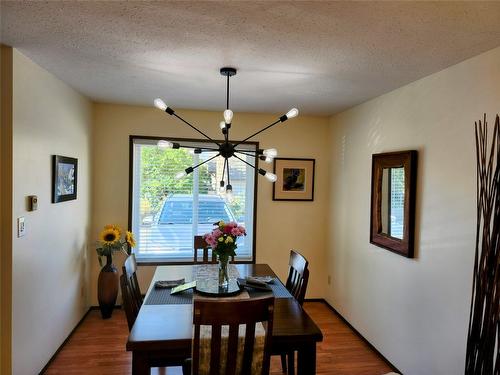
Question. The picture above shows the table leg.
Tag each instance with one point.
(140, 364)
(306, 360)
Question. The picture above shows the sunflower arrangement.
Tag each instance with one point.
(112, 239)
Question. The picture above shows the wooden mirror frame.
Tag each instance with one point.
(407, 160)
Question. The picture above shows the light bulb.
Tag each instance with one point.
(229, 196)
(292, 113)
(222, 187)
(165, 144)
(271, 177)
(268, 160)
(270, 153)
(228, 116)
(160, 104)
(180, 175)
(222, 125)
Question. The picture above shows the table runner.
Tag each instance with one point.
(163, 297)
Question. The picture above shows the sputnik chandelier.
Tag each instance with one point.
(227, 148)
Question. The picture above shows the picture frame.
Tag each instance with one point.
(64, 178)
(295, 179)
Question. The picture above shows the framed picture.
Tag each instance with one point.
(295, 179)
(64, 178)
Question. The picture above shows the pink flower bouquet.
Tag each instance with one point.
(222, 239)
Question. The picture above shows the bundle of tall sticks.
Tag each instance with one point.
(483, 347)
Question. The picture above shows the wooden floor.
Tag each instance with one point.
(98, 347)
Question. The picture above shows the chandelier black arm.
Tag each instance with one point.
(260, 131)
(227, 166)
(203, 162)
(195, 128)
(246, 153)
(200, 148)
(224, 169)
(244, 161)
(256, 151)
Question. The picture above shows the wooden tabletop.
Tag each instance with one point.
(169, 327)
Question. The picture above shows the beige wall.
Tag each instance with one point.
(281, 226)
(50, 278)
(415, 311)
(5, 208)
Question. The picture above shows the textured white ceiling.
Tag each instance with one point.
(319, 56)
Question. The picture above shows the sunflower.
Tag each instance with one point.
(129, 237)
(114, 227)
(109, 236)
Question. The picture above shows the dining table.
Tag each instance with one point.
(163, 330)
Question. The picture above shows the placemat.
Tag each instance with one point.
(163, 297)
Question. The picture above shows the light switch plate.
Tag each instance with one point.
(21, 227)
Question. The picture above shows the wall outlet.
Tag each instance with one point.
(21, 227)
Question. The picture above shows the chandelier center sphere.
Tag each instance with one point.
(226, 150)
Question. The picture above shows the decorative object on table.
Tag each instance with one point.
(164, 284)
(483, 351)
(227, 149)
(183, 287)
(392, 217)
(249, 282)
(111, 240)
(222, 240)
(64, 178)
(295, 179)
(211, 288)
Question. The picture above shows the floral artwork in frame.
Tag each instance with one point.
(295, 179)
(64, 178)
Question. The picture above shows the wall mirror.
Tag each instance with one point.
(392, 221)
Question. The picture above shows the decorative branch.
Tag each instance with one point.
(483, 349)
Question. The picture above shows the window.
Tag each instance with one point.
(166, 213)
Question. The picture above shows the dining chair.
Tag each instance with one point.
(298, 276)
(127, 304)
(231, 313)
(201, 244)
(132, 289)
(132, 302)
(296, 283)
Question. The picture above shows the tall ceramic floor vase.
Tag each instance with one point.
(107, 288)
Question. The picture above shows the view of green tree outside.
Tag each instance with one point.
(159, 167)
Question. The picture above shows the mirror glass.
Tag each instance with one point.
(393, 201)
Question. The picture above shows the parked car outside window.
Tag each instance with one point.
(173, 227)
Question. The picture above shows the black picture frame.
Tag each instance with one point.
(281, 167)
(64, 178)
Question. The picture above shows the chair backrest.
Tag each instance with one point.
(130, 272)
(200, 244)
(232, 313)
(298, 276)
(127, 302)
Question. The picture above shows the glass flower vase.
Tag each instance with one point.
(223, 276)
